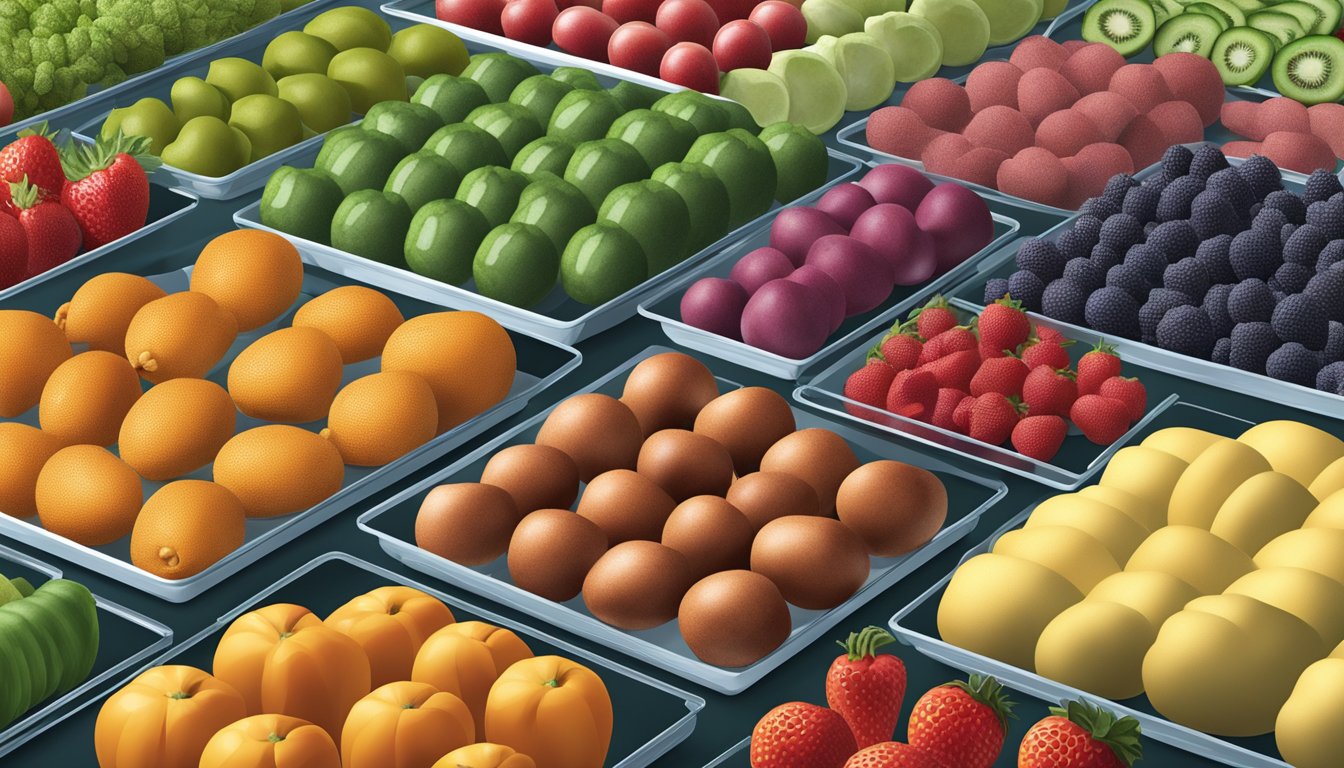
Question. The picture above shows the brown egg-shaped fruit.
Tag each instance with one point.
(893, 506)
(734, 618)
(23, 452)
(666, 391)
(712, 534)
(626, 506)
(552, 551)
(819, 456)
(817, 562)
(597, 431)
(536, 476)
(747, 422)
(87, 397)
(637, 585)
(686, 464)
(766, 496)
(468, 523)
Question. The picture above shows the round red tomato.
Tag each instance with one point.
(477, 14)
(563, 4)
(529, 21)
(638, 45)
(688, 21)
(742, 44)
(728, 10)
(6, 105)
(626, 11)
(783, 22)
(690, 65)
(583, 31)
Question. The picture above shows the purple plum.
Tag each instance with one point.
(795, 229)
(862, 273)
(896, 183)
(760, 267)
(959, 222)
(715, 304)
(845, 203)
(891, 230)
(787, 318)
(827, 288)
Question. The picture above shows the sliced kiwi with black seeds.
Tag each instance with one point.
(1125, 25)
(1242, 55)
(1307, 15)
(1311, 70)
(1283, 27)
(1217, 14)
(1328, 14)
(1187, 33)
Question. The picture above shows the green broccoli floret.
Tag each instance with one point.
(44, 78)
(120, 36)
(11, 11)
(55, 17)
(169, 21)
(196, 33)
(88, 8)
(149, 54)
(264, 11)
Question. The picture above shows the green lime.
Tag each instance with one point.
(516, 264)
(654, 135)
(602, 261)
(295, 52)
(761, 92)
(579, 78)
(498, 73)
(493, 190)
(744, 164)
(699, 110)
(512, 125)
(656, 216)
(800, 158)
(423, 177)
(545, 155)
(466, 147)
(453, 98)
(739, 116)
(443, 239)
(539, 94)
(302, 202)
(556, 206)
(425, 50)
(816, 91)
(410, 124)
(706, 201)
(583, 116)
(373, 224)
(600, 166)
(360, 159)
(635, 96)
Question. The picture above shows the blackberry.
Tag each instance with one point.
(1101, 207)
(1141, 203)
(1327, 288)
(1302, 319)
(1177, 239)
(1207, 161)
(1255, 209)
(1291, 205)
(1027, 288)
(1213, 254)
(1174, 202)
(1160, 301)
(1085, 274)
(1064, 301)
(1328, 216)
(1252, 344)
(1121, 231)
(996, 287)
(1331, 254)
(1254, 253)
(1215, 306)
(1188, 277)
(1250, 301)
(1222, 351)
(1269, 219)
(1041, 257)
(1117, 186)
(1127, 278)
(1211, 214)
(1293, 363)
(1286, 232)
(1071, 245)
(1329, 378)
(1261, 174)
(1334, 343)
(1104, 257)
(1305, 244)
(1088, 228)
(1186, 330)
(1156, 183)
(1176, 162)
(1232, 186)
(1321, 185)
(1150, 262)
(1113, 312)
(1292, 278)
(1279, 293)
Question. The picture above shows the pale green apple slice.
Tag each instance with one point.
(762, 92)
(865, 66)
(963, 26)
(817, 93)
(830, 17)
(913, 43)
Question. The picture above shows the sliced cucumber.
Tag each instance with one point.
(1187, 33)
(1250, 6)
(1166, 9)
(1283, 27)
(1242, 55)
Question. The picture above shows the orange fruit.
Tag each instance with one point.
(254, 275)
(181, 335)
(277, 469)
(176, 427)
(289, 375)
(23, 452)
(381, 417)
(88, 495)
(87, 397)
(467, 358)
(186, 527)
(358, 319)
(101, 310)
(31, 347)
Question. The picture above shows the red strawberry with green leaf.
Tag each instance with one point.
(933, 318)
(1051, 354)
(899, 349)
(992, 418)
(1004, 325)
(53, 234)
(866, 688)
(1047, 391)
(869, 385)
(1103, 420)
(1000, 374)
(32, 155)
(1081, 735)
(893, 754)
(801, 735)
(1129, 391)
(13, 252)
(1040, 437)
(1096, 366)
(955, 339)
(108, 189)
(962, 723)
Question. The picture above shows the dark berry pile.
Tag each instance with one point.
(1208, 260)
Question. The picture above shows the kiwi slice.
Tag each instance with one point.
(1242, 55)
(1230, 8)
(1283, 27)
(1251, 6)
(1165, 9)
(1307, 15)
(1217, 14)
(1311, 70)
(1187, 33)
(1328, 14)
(1125, 25)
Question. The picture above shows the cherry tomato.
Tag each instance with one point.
(6, 106)
(529, 21)
(783, 22)
(688, 21)
(729, 10)
(583, 31)
(563, 4)
(477, 14)
(625, 11)
(742, 44)
(690, 65)
(638, 45)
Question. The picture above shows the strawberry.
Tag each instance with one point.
(992, 418)
(1039, 437)
(962, 723)
(1003, 325)
(961, 415)
(32, 155)
(1000, 374)
(801, 735)
(109, 187)
(1047, 391)
(913, 394)
(954, 339)
(869, 386)
(954, 370)
(1129, 391)
(899, 349)
(1102, 419)
(1082, 735)
(1043, 333)
(13, 251)
(1096, 366)
(892, 754)
(945, 408)
(934, 318)
(989, 352)
(1051, 354)
(865, 688)
(53, 234)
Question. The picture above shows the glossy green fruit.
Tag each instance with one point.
(695, 108)
(193, 97)
(301, 202)
(150, 118)
(516, 264)
(583, 116)
(656, 216)
(453, 98)
(269, 122)
(373, 224)
(443, 240)
(466, 147)
(744, 164)
(547, 154)
(369, 76)
(498, 73)
(423, 177)
(425, 50)
(322, 103)
(598, 167)
(706, 201)
(512, 124)
(494, 191)
(74, 620)
(602, 261)
(577, 77)
(659, 138)
(207, 146)
(359, 159)
(351, 26)
(410, 124)
(295, 52)
(801, 162)
(556, 206)
(635, 96)
(540, 94)
(236, 78)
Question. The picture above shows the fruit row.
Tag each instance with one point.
(50, 635)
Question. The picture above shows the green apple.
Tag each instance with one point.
(583, 116)
(598, 167)
(577, 77)
(351, 27)
(301, 202)
(443, 239)
(516, 264)
(699, 110)
(193, 97)
(493, 190)
(744, 165)
(466, 147)
(654, 135)
(556, 206)
(800, 158)
(540, 94)
(635, 96)
(410, 124)
(373, 224)
(425, 50)
(498, 73)
(295, 52)
(706, 201)
(513, 125)
(453, 98)
(423, 177)
(359, 159)
(322, 103)
(601, 262)
(369, 76)
(656, 216)
(236, 78)
(208, 147)
(270, 122)
(547, 154)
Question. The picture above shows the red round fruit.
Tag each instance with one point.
(783, 22)
(638, 46)
(563, 4)
(690, 65)
(626, 11)
(583, 31)
(742, 44)
(730, 10)
(529, 21)
(6, 106)
(688, 21)
(477, 14)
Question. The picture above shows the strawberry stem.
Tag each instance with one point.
(864, 643)
(23, 194)
(1122, 735)
(80, 162)
(1103, 348)
(988, 691)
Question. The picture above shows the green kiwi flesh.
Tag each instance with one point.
(1311, 70)
(1187, 33)
(1283, 27)
(1242, 55)
(1125, 25)
(1328, 15)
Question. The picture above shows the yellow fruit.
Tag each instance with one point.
(358, 319)
(23, 452)
(1316, 549)
(1145, 472)
(31, 347)
(1261, 509)
(1156, 595)
(1300, 451)
(1076, 556)
(1307, 728)
(467, 358)
(254, 275)
(1192, 555)
(101, 310)
(1185, 443)
(181, 335)
(276, 469)
(186, 527)
(1148, 515)
(86, 398)
(1328, 514)
(1318, 600)
(1119, 532)
(176, 427)
(1330, 479)
(289, 375)
(1210, 479)
(381, 417)
(1098, 647)
(88, 495)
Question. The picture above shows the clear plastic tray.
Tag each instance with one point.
(665, 306)
(393, 523)
(126, 640)
(556, 317)
(1077, 460)
(541, 364)
(1147, 356)
(651, 717)
(916, 625)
